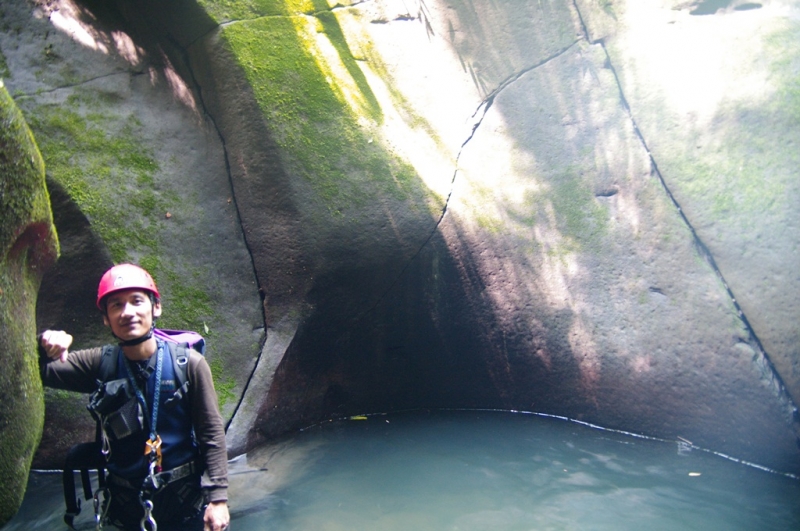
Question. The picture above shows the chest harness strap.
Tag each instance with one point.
(152, 447)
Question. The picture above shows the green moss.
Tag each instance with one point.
(738, 181)
(580, 218)
(71, 405)
(321, 108)
(783, 53)
(4, 71)
(324, 140)
(27, 246)
(332, 29)
(743, 172)
(100, 159)
(189, 307)
(223, 385)
(226, 10)
(608, 7)
(642, 297)
(103, 172)
(577, 212)
(21, 198)
(488, 223)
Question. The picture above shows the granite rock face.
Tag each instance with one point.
(582, 209)
(564, 274)
(28, 246)
(713, 89)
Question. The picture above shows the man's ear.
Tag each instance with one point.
(105, 320)
(157, 309)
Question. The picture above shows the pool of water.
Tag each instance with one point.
(479, 471)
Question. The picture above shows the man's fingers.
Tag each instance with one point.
(56, 344)
(57, 352)
(45, 340)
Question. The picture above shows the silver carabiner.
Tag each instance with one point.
(152, 476)
(106, 444)
(99, 511)
(148, 523)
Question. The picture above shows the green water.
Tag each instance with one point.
(480, 471)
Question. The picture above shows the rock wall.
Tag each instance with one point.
(577, 208)
(564, 274)
(713, 90)
(137, 173)
(29, 246)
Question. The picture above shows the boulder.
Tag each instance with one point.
(564, 274)
(29, 245)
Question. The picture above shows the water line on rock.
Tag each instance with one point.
(683, 444)
(761, 358)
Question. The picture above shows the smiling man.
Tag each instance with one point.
(163, 438)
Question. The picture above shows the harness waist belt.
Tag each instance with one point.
(166, 477)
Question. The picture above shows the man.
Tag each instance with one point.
(165, 447)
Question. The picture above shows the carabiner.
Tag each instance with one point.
(99, 510)
(106, 443)
(152, 475)
(152, 448)
(148, 523)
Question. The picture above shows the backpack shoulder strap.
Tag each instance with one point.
(180, 364)
(108, 364)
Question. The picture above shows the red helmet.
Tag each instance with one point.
(125, 276)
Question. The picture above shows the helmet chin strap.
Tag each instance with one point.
(138, 340)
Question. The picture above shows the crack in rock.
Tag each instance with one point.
(78, 84)
(474, 122)
(764, 362)
(476, 119)
(202, 105)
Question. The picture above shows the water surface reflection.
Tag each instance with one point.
(482, 471)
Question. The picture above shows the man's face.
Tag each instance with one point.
(130, 313)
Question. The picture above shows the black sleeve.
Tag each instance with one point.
(79, 373)
(209, 429)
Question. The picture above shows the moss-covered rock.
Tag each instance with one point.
(138, 173)
(29, 245)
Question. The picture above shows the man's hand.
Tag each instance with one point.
(56, 344)
(217, 517)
